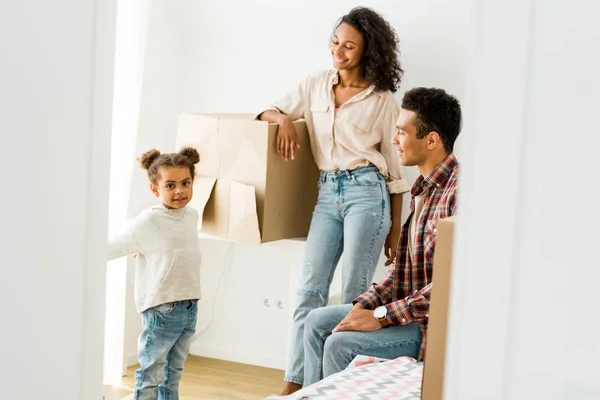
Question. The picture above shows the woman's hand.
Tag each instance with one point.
(287, 139)
(391, 244)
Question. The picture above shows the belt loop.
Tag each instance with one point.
(348, 174)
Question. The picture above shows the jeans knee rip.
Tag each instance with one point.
(307, 292)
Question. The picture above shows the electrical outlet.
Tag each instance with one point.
(266, 302)
(273, 303)
(279, 304)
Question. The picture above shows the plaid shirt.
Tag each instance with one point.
(407, 288)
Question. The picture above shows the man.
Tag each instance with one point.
(390, 320)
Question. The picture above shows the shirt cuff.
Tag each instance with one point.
(367, 301)
(398, 313)
(399, 186)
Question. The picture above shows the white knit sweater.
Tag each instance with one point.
(168, 258)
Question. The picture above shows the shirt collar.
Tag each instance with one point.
(437, 177)
(161, 207)
(334, 79)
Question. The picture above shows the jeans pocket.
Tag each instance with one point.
(371, 178)
(164, 309)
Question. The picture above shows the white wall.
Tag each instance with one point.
(55, 97)
(523, 320)
(240, 55)
(236, 56)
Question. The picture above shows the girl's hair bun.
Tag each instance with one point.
(148, 158)
(191, 153)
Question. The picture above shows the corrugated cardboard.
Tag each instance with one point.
(435, 355)
(244, 190)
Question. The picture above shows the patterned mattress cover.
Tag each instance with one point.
(368, 378)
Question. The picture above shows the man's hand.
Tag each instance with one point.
(358, 320)
(391, 244)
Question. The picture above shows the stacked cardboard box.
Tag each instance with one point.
(244, 190)
(435, 355)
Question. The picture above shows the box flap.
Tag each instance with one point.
(203, 188)
(243, 221)
(200, 132)
(233, 148)
(231, 212)
(242, 149)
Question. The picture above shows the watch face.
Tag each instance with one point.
(380, 312)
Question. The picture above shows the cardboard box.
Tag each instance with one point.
(244, 190)
(435, 354)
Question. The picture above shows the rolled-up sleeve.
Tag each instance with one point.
(413, 308)
(292, 104)
(396, 181)
(378, 294)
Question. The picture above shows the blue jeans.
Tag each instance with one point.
(327, 353)
(352, 216)
(163, 346)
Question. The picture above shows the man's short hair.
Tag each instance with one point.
(436, 111)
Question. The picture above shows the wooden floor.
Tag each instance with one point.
(205, 378)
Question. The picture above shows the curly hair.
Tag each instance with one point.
(436, 111)
(152, 161)
(381, 57)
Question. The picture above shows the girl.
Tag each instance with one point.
(167, 273)
(351, 114)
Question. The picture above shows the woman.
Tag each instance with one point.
(350, 113)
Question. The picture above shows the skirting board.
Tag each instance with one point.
(131, 359)
(236, 356)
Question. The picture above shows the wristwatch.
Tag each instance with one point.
(380, 314)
